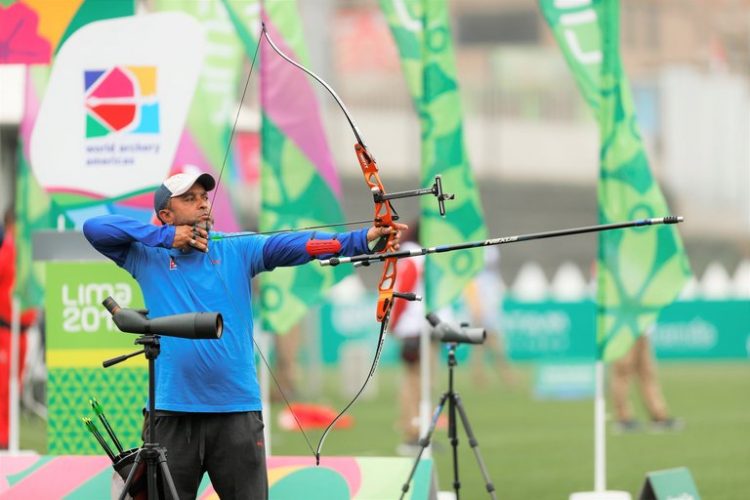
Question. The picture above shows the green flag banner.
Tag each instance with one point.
(639, 271)
(299, 183)
(423, 36)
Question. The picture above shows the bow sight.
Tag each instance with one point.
(436, 190)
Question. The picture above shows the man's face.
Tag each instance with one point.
(191, 207)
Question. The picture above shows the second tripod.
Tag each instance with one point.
(154, 456)
(454, 406)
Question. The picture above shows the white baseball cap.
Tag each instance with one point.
(180, 184)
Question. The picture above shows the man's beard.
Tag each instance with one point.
(204, 224)
(197, 221)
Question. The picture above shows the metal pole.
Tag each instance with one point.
(425, 410)
(600, 449)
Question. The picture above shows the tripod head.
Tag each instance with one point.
(201, 325)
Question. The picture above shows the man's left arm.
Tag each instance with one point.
(289, 249)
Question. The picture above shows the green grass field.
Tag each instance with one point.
(544, 449)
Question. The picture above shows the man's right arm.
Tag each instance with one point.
(112, 235)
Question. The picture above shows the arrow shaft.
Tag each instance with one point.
(365, 259)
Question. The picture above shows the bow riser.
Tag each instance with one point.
(385, 288)
(384, 217)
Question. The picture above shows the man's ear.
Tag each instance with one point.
(166, 216)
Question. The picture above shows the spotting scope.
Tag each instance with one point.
(446, 332)
(200, 325)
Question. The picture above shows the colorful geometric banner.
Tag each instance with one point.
(34, 209)
(20, 39)
(124, 101)
(35, 29)
(86, 12)
(422, 33)
(639, 271)
(289, 478)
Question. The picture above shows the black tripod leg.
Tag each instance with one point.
(453, 437)
(152, 483)
(474, 446)
(424, 443)
(131, 475)
(166, 475)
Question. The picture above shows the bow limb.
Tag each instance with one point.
(376, 359)
(264, 33)
(384, 216)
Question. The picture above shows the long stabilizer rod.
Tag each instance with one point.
(367, 259)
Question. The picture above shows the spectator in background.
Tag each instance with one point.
(286, 348)
(639, 361)
(407, 322)
(7, 282)
(483, 297)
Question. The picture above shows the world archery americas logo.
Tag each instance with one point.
(121, 99)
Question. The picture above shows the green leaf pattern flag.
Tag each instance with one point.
(642, 270)
(299, 183)
(423, 36)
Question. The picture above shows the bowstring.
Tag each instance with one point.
(234, 125)
(283, 396)
(226, 288)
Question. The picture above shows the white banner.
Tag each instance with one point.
(116, 105)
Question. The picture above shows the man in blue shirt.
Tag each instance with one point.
(208, 405)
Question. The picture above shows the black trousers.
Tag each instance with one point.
(229, 446)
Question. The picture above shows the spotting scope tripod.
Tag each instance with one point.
(190, 326)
